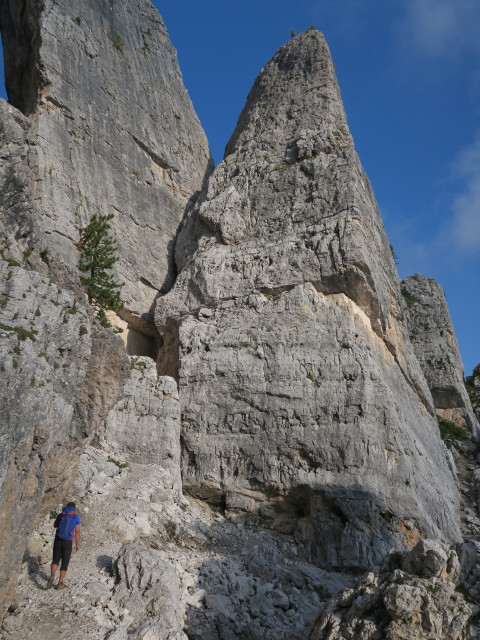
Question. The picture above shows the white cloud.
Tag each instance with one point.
(465, 223)
(442, 27)
(457, 240)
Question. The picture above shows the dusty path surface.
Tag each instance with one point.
(229, 576)
(41, 613)
(114, 509)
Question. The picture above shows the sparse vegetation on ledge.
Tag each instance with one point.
(120, 465)
(451, 431)
(22, 333)
(409, 298)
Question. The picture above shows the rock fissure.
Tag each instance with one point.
(65, 109)
(163, 164)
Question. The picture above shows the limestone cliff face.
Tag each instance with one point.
(303, 427)
(432, 335)
(433, 338)
(112, 131)
(60, 372)
(99, 122)
(144, 426)
(302, 400)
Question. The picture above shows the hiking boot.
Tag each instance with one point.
(50, 582)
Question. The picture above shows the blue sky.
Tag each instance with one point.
(409, 72)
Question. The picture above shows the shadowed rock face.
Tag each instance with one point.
(433, 338)
(302, 400)
(112, 130)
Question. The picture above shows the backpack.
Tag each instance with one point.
(66, 524)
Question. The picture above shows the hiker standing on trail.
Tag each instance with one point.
(67, 525)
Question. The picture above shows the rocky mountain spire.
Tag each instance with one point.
(292, 191)
(303, 403)
(291, 172)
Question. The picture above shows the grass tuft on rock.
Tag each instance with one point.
(409, 298)
(451, 431)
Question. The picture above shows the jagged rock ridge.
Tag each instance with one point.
(433, 339)
(428, 594)
(473, 389)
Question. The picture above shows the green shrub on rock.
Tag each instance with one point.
(451, 431)
(97, 257)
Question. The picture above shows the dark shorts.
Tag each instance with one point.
(62, 550)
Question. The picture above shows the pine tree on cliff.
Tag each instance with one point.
(97, 257)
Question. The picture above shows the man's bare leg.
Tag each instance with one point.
(53, 571)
